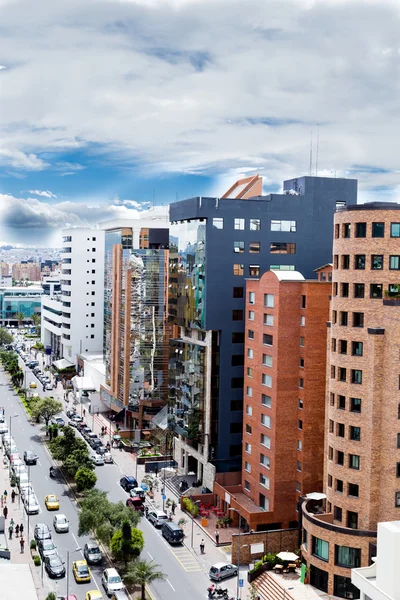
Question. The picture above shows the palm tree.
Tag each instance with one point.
(20, 317)
(142, 572)
(36, 319)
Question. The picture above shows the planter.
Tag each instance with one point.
(252, 575)
(204, 522)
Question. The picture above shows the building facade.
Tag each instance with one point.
(362, 428)
(26, 271)
(25, 300)
(215, 245)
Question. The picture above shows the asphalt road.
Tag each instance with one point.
(185, 579)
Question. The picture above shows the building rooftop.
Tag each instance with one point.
(371, 206)
(288, 275)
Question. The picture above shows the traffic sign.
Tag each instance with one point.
(164, 497)
(241, 582)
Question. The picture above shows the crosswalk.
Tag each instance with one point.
(186, 559)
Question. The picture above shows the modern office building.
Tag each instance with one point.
(284, 398)
(215, 245)
(13, 300)
(362, 436)
(72, 321)
(135, 344)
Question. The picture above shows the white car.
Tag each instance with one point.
(61, 523)
(107, 457)
(111, 581)
(97, 459)
(26, 490)
(31, 505)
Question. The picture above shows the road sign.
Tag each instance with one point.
(241, 582)
(164, 497)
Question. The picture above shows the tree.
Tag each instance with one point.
(127, 542)
(47, 408)
(85, 479)
(79, 458)
(37, 320)
(20, 317)
(5, 337)
(142, 572)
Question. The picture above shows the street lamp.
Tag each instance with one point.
(238, 570)
(9, 463)
(68, 553)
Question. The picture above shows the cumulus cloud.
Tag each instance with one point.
(44, 193)
(201, 86)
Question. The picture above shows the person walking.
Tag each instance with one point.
(5, 512)
(17, 530)
(13, 494)
(5, 496)
(202, 547)
(21, 529)
(10, 531)
(22, 544)
(12, 522)
(216, 537)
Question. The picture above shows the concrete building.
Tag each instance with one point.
(25, 300)
(4, 269)
(135, 345)
(380, 581)
(284, 398)
(72, 322)
(362, 431)
(26, 271)
(216, 243)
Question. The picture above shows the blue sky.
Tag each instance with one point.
(108, 103)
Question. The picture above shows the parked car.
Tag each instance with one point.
(127, 483)
(55, 567)
(111, 581)
(136, 503)
(108, 458)
(42, 532)
(47, 547)
(120, 595)
(58, 421)
(92, 553)
(60, 523)
(157, 517)
(222, 570)
(97, 460)
(31, 505)
(30, 457)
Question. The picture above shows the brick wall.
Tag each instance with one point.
(280, 540)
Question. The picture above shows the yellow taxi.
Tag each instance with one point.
(52, 502)
(94, 595)
(32, 385)
(81, 571)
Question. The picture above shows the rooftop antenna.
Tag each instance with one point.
(316, 162)
(311, 154)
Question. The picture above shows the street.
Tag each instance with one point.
(185, 576)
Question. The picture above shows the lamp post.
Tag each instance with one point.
(68, 553)
(238, 570)
(9, 462)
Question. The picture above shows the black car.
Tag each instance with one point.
(128, 483)
(94, 442)
(92, 553)
(54, 566)
(42, 532)
(30, 457)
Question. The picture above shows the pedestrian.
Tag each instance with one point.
(10, 531)
(16, 530)
(202, 547)
(21, 529)
(217, 537)
(84, 412)
(22, 544)
(12, 522)
(173, 506)
(5, 495)
(13, 496)
(5, 512)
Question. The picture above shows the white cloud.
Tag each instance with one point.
(202, 86)
(45, 193)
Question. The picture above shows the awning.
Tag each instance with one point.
(84, 384)
(120, 415)
(62, 364)
(315, 496)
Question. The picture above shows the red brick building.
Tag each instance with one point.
(284, 397)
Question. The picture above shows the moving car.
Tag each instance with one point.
(222, 570)
(128, 483)
(52, 502)
(33, 385)
(139, 492)
(47, 547)
(172, 532)
(42, 532)
(81, 571)
(94, 595)
(55, 567)
(107, 457)
(157, 517)
(136, 503)
(60, 523)
(92, 553)
(97, 459)
(111, 581)
(58, 421)
(30, 457)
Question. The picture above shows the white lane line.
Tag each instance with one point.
(46, 478)
(151, 558)
(75, 540)
(168, 581)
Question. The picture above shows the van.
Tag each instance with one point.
(172, 533)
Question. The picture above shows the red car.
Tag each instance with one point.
(136, 503)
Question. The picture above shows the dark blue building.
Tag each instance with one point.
(215, 245)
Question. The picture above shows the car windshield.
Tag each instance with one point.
(55, 562)
(93, 550)
(48, 545)
(61, 520)
(115, 579)
(83, 570)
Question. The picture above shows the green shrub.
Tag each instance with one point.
(270, 558)
(51, 596)
(36, 560)
(33, 545)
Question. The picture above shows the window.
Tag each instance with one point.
(254, 247)
(255, 224)
(377, 262)
(398, 440)
(354, 461)
(320, 548)
(337, 231)
(299, 445)
(299, 424)
(282, 248)
(356, 376)
(361, 230)
(251, 315)
(266, 380)
(266, 421)
(299, 466)
(340, 430)
(267, 360)
(238, 292)
(398, 470)
(332, 399)
(331, 425)
(248, 448)
(302, 321)
(249, 372)
(298, 486)
(340, 458)
(339, 486)
(249, 391)
(267, 339)
(252, 297)
(357, 348)
(238, 269)
(352, 519)
(250, 353)
(237, 315)
(359, 290)
(268, 319)
(344, 318)
(394, 229)
(345, 290)
(265, 440)
(264, 481)
(300, 403)
(248, 428)
(346, 228)
(239, 224)
(264, 502)
(346, 261)
(343, 588)
(342, 374)
(347, 557)
(301, 383)
(254, 270)
(343, 346)
(266, 400)
(303, 301)
(397, 499)
(394, 263)
(265, 461)
(359, 261)
(269, 300)
(336, 261)
(333, 344)
(250, 334)
(358, 319)
(238, 247)
(353, 490)
(355, 433)
(238, 337)
(247, 485)
(378, 230)
(355, 405)
(235, 428)
(301, 363)
(247, 467)
(341, 402)
(301, 342)
(218, 223)
(282, 267)
(337, 513)
(283, 225)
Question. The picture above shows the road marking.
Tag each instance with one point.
(168, 581)
(185, 559)
(46, 478)
(75, 540)
(151, 558)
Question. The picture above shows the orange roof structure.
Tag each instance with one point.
(245, 188)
